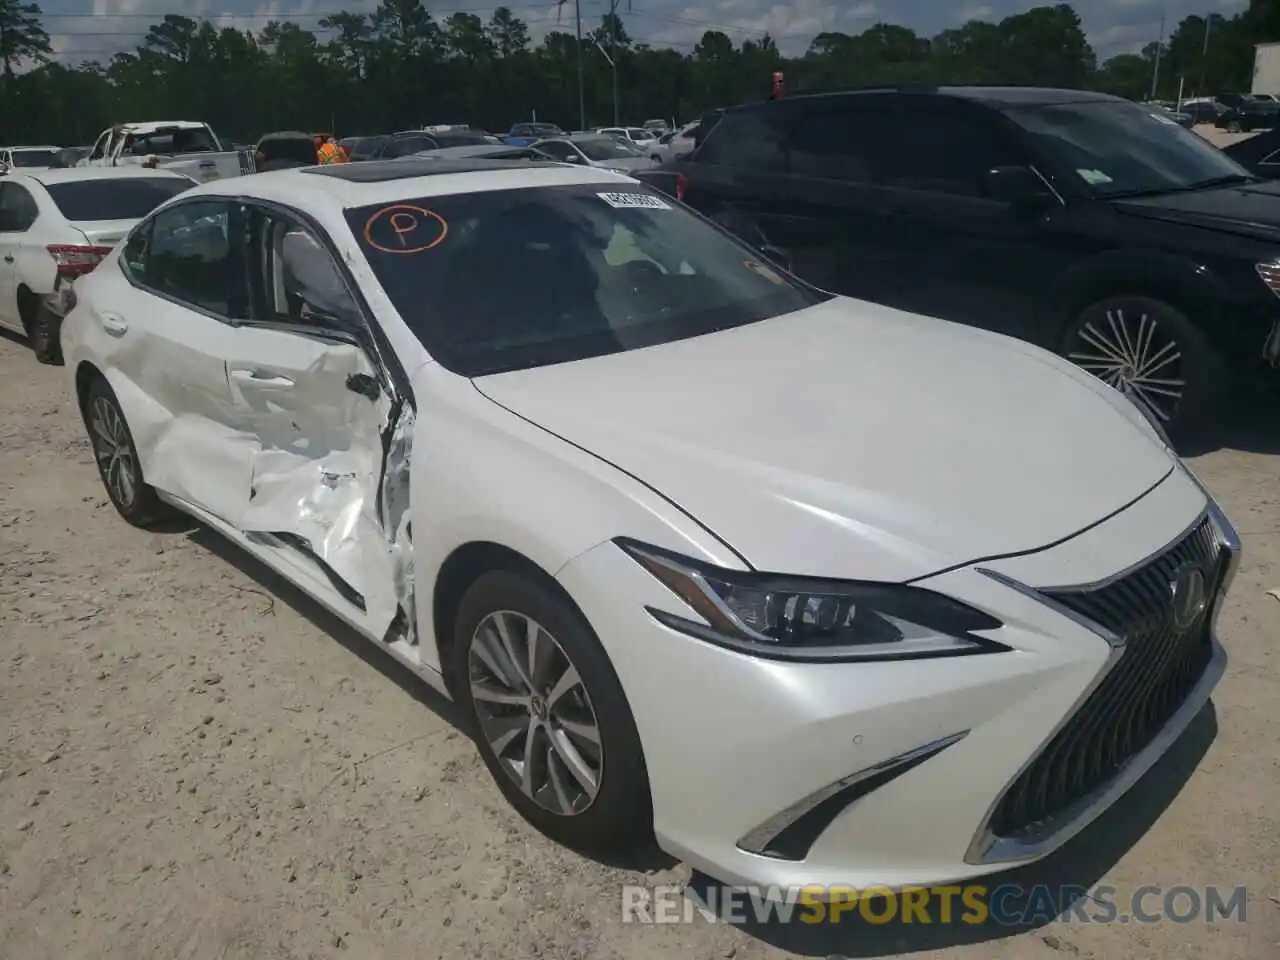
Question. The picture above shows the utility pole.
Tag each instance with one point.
(582, 89)
(613, 54)
(1204, 54)
(1155, 76)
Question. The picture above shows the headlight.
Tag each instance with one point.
(1270, 274)
(793, 618)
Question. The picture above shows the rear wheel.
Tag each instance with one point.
(1154, 354)
(118, 463)
(45, 333)
(549, 716)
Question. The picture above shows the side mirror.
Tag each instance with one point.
(1017, 185)
(573, 158)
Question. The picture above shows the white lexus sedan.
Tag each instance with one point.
(812, 590)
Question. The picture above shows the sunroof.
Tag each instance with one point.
(380, 171)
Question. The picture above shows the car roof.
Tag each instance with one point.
(470, 150)
(994, 96)
(151, 126)
(77, 174)
(339, 186)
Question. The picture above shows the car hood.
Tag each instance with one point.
(850, 440)
(1250, 210)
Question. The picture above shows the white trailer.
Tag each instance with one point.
(1266, 68)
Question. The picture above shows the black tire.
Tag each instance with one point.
(619, 818)
(45, 332)
(142, 507)
(1234, 126)
(1198, 364)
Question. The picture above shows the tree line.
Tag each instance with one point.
(402, 67)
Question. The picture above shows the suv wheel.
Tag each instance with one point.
(1151, 352)
(549, 716)
(1233, 126)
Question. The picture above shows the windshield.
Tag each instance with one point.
(168, 141)
(1121, 148)
(606, 148)
(638, 133)
(35, 158)
(511, 279)
(117, 198)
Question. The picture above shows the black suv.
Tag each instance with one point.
(1079, 221)
(1243, 113)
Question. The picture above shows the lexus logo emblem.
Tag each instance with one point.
(1187, 590)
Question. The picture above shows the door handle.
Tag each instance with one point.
(261, 377)
(113, 325)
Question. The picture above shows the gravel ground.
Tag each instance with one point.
(195, 762)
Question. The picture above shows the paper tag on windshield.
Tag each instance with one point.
(1094, 177)
(633, 201)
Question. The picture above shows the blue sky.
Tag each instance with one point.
(89, 29)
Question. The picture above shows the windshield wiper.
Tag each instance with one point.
(1228, 180)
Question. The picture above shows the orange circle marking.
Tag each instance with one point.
(404, 219)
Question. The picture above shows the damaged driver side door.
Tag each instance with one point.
(307, 383)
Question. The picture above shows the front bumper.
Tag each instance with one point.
(914, 755)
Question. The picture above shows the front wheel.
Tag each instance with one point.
(549, 715)
(1155, 355)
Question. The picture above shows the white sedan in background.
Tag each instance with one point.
(55, 226)
(639, 136)
(674, 145)
(693, 554)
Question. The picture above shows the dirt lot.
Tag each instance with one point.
(196, 762)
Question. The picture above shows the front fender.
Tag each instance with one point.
(1137, 272)
(483, 474)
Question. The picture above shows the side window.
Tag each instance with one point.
(18, 210)
(195, 256)
(843, 144)
(405, 146)
(1272, 159)
(100, 147)
(134, 254)
(946, 150)
(754, 139)
(557, 149)
(296, 281)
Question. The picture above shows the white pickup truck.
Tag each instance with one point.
(183, 146)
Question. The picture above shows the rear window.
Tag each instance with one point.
(35, 158)
(511, 279)
(167, 141)
(607, 148)
(114, 199)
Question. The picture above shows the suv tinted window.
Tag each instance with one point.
(943, 149)
(114, 199)
(195, 257)
(844, 144)
(751, 138)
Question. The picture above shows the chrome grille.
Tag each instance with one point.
(1154, 673)
(247, 164)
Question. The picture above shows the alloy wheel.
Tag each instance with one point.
(1131, 353)
(114, 451)
(534, 712)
